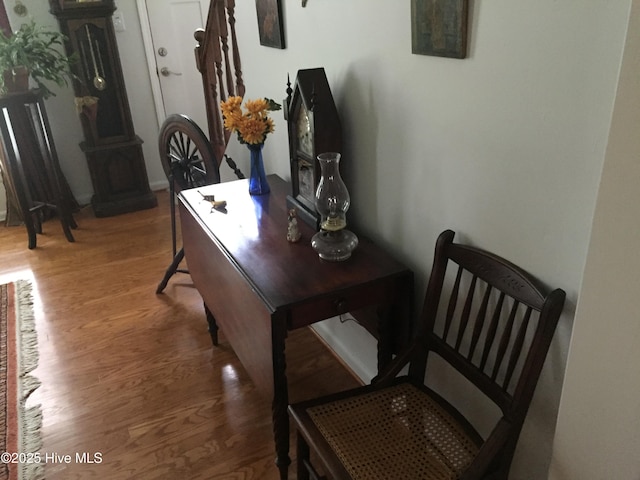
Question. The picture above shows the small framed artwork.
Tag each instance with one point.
(439, 27)
(270, 24)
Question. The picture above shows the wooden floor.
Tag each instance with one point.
(131, 375)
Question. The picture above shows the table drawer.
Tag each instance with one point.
(380, 293)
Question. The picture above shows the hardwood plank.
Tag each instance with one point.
(131, 374)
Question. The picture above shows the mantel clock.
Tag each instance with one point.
(113, 150)
(314, 128)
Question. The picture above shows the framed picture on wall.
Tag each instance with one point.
(439, 27)
(270, 23)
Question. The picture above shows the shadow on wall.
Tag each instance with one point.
(360, 124)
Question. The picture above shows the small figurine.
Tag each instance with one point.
(293, 233)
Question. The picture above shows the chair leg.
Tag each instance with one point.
(302, 452)
(171, 270)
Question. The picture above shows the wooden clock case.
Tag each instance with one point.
(314, 128)
(113, 150)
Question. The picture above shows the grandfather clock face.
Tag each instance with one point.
(314, 128)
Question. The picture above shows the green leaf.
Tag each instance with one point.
(39, 50)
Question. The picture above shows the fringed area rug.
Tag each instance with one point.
(19, 426)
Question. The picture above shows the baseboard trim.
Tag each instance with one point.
(335, 354)
(352, 345)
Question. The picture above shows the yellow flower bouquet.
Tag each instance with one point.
(254, 124)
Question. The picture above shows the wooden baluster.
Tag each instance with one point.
(220, 138)
(219, 19)
(218, 68)
(200, 37)
(224, 48)
(240, 89)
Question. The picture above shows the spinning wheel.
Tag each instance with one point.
(186, 154)
(188, 161)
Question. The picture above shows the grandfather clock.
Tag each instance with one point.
(113, 150)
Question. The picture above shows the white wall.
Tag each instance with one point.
(506, 147)
(598, 433)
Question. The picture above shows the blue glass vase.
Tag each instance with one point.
(258, 184)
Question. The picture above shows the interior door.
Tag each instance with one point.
(172, 24)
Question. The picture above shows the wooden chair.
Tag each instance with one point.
(487, 319)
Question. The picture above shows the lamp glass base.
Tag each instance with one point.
(334, 246)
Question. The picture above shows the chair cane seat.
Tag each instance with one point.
(396, 433)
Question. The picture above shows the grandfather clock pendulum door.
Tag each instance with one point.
(113, 150)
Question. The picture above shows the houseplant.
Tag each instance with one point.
(33, 51)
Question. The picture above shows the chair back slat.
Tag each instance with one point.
(453, 300)
(516, 350)
(505, 341)
(466, 313)
(491, 331)
(480, 321)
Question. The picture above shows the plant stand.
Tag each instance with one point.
(31, 173)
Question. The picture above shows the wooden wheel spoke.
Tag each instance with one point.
(200, 171)
(198, 162)
(175, 158)
(183, 145)
(189, 148)
(176, 146)
(194, 155)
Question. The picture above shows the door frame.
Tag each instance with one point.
(150, 53)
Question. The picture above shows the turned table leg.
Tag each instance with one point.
(280, 396)
(213, 326)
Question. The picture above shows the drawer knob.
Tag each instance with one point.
(342, 306)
